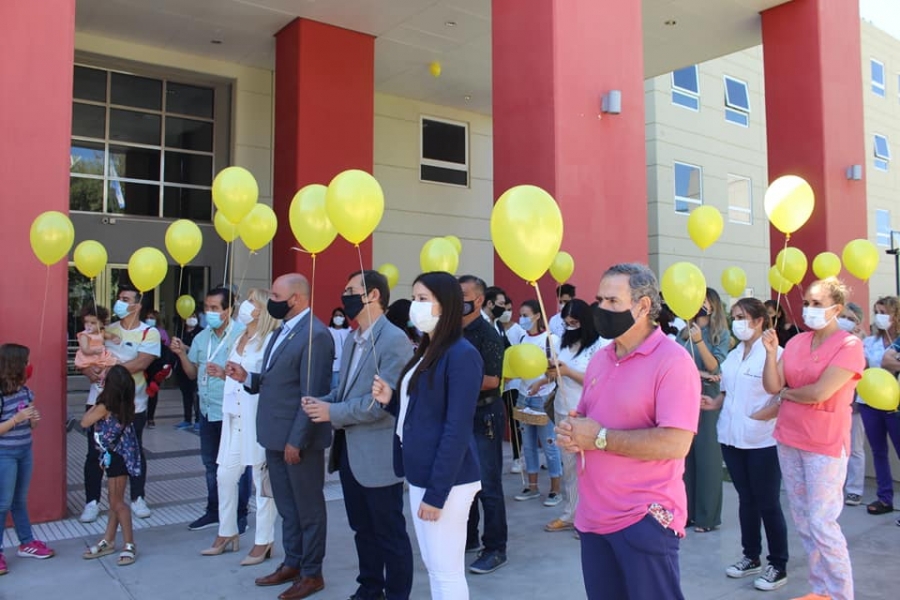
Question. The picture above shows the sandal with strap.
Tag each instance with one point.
(128, 555)
(879, 508)
(101, 549)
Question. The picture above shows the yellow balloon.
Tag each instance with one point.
(309, 219)
(435, 69)
(391, 272)
(789, 202)
(826, 264)
(439, 255)
(527, 230)
(455, 241)
(562, 268)
(147, 268)
(734, 281)
(259, 227)
(792, 264)
(879, 389)
(355, 204)
(52, 234)
(227, 230)
(90, 258)
(861, 258)
(508, 372)
(778, 281)
(528, 361)
(684, 289)
(705, 226)
(183, 241)
(235, 193)
(185, 306)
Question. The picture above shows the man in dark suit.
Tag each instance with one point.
(295, 446)
(364, 439)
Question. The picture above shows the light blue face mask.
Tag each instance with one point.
(150, 322)
(526, 323)
(120, 308)
(213, 319)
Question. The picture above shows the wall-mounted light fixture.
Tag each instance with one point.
(854, 172)
(611, 102)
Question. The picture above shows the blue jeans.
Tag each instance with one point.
(490, 424)
(15, 476)
(210, 436)
(531, 434)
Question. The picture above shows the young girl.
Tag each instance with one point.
(17, 418)
(91, 349)
(119, 456)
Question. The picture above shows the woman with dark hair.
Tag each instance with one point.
(434, 446)
(749, 449)
(780, 323)
(339, 327)
(579, 344)
(398, 314)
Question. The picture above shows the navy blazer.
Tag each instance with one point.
(438, 449)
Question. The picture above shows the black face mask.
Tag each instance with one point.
(468, 307)
(498, 311)
(353, 305)
(703, 313)
(278, 310)
(610, 324)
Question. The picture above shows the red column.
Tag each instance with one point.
(36, 120)
(552, 62)
(814, 114)
(324, 124)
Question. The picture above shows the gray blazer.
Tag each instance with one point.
(279, 417)
(367, 428)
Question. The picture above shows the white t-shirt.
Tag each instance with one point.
(141, 339)
(557, 325)
(874, 348)
(251, 361)
(744, 395)
(569, 393)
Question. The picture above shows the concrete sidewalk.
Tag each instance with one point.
(542, 565)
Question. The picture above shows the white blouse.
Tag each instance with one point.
(742, 384)
(569, 393)
(404, 399)
(251, 360)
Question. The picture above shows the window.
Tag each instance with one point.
(882, 153)
(737, 101)
(877, 77)
(883, 227)
(688, 187)
(740, 199)
(142, 145)
(445, 152)
(686, 87)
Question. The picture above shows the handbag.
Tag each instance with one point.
(265, 483)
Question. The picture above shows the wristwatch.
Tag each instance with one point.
(600, 441)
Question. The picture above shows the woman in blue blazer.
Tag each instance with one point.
(434, 445)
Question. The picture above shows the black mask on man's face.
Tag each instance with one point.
(610, 324)
(353, 305)
(278, 310)
(498, 311)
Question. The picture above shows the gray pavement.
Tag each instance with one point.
(541, 565)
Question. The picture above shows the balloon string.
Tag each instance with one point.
(781, 270)
(244, 274)
(312, 299)
(227, 252)
(362, 275)
(44, 309)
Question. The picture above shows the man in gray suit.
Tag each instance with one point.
(364, 438)
(295, 446)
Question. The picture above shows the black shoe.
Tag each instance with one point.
(743, 568)
(356, 596)
(488, 562)
(206, 521)
(771, 580)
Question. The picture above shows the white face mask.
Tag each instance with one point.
(338, 321)
(846, 324)
(742, 330)
(245, 312)
(506, 317)
(420, 315)
(191, 322)
(814, 317)
(883, 322)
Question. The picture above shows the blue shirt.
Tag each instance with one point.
(20, 435)
(208, 347)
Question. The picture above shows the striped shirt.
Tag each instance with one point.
(20, 435)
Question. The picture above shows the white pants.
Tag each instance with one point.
(569, 480)
(228, 475)
(442, 543)
(856, 466)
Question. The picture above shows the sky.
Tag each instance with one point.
(884, 14)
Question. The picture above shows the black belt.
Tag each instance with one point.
(486, 401)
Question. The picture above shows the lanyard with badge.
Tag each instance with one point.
(210, 354)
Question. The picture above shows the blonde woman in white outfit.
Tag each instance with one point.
(238, 448)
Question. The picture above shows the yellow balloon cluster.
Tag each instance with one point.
(792, 264)
(355, 204)
(527, 230)
(684, 289)
(147, 268)
(527, 361)
(90, 258)
(185, 306)
(778, 281)
(258, 228)
(391, 273)
(52, 235)
(439, 254)
(734, 281)
(879, 389)
(309, 220)
(789, 202)
(705, 226)
(562, 268)
(183, 241)
(826, 264)
(861, 258)
(227, 230)
(235, 193)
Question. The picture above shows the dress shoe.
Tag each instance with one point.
(232, 543)
(250, 560)
(305, 587)
(358, 597)
(283, 574)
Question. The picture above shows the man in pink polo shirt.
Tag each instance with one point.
(635, 422)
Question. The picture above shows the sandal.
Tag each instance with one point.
(128, 555)
(101, 549)
(704, 529)
(879, 508)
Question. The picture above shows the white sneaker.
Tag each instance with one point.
(140, 509)
(517, 466)
(90, 513)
